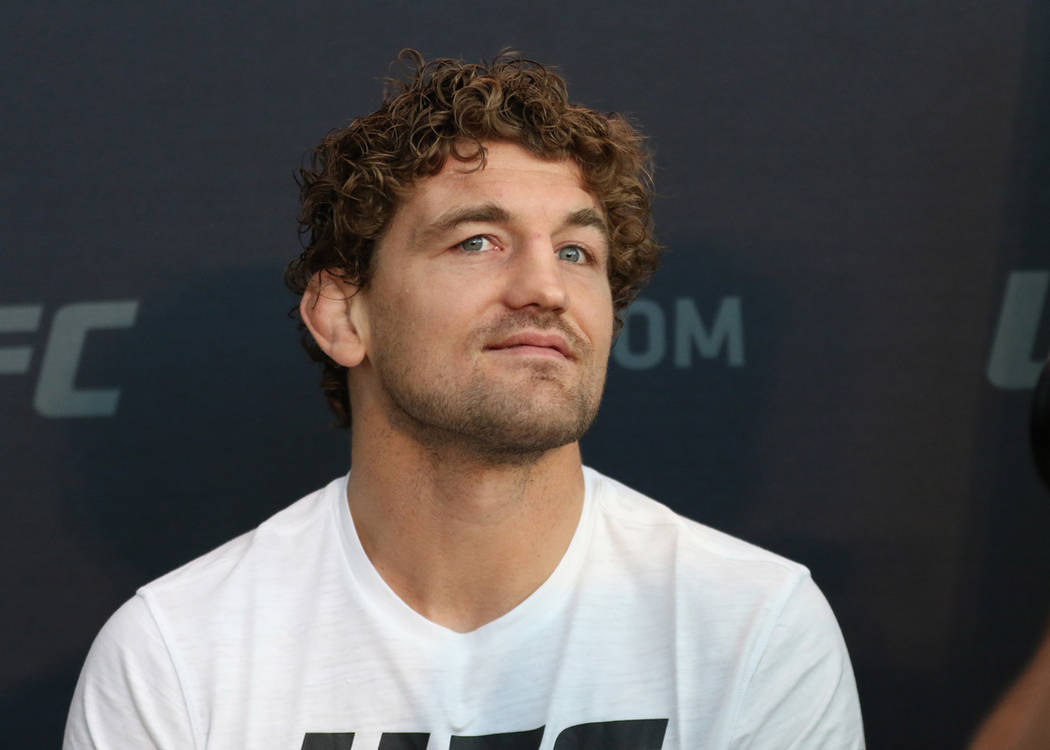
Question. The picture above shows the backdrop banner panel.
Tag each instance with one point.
(835, 362)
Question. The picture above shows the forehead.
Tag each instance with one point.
(509, 173)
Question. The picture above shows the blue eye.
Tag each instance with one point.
(572, 254)
(475, 244)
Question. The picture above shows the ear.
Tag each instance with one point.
(336, 316)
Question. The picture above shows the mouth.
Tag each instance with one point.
(534, 343)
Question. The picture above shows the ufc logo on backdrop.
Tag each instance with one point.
(56, 394)
(636, 734)
(1013, 362)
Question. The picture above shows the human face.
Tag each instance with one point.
(489, 314)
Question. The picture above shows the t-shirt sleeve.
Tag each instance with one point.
(802, 694)
(129, 693)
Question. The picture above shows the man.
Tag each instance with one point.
(469, 584)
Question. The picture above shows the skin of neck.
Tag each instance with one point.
(460, 538)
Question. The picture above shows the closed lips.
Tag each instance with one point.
(537, 340)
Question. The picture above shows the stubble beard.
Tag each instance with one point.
(494, 417)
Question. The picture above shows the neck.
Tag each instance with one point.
(461, 538)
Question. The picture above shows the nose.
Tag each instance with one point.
(535, 279)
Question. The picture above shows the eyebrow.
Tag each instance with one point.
(587, 217)
(482, 213)
(495, 214)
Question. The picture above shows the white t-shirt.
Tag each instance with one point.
(654, 632)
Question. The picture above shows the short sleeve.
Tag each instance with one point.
(802, 694)
(129, 694)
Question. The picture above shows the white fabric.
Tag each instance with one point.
(289, 630)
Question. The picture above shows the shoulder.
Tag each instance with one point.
(178, 637)
(291, 535)
(746, 599)
(263, 582)
(130, 692)
(792, 676)
(641, 525)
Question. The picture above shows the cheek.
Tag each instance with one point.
(596, 314)
(432, 324)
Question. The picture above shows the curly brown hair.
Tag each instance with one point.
(359, 174)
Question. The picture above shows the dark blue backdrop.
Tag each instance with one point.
(835, 362)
